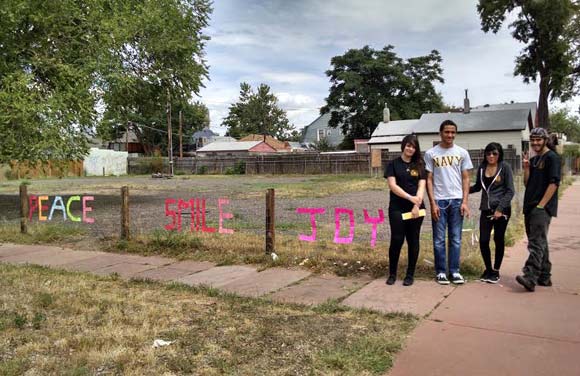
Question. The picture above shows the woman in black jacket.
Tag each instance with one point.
(496, 181)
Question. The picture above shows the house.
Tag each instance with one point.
(508, 124)
(279, 146)
(319, 129)
(238, 148)
(127, 142)
(207, 136)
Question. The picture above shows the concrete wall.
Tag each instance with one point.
(110, 161)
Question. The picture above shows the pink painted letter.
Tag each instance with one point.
(312, 212)
(337, 213)
(374, 221)
(87, 209)
(221, 229)
(170, 213)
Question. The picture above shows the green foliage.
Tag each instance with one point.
(365, 80)
(323, 145)
(550, 31)
(61, 59)
(156, 164)
(256, 113)
(238, 169)
(563, 121)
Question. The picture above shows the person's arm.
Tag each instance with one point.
(421, 189)
(508, 180)
(465, 185)
(552, 188)
(477, 186)
(555, 176)
(526, 167)
(394, 187)
(431, 195)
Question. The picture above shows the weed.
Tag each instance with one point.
(43, 300)
(37, 320)
(19, 320)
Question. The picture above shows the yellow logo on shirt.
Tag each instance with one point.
(414, 172)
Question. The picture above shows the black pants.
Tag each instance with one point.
(538, 266)
(499, 227)
(409, 229)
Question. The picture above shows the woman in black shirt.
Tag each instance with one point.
(406, 177)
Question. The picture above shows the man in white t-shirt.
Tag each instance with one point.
(448, 168)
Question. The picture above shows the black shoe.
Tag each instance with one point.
(391, 280)
(457, 279)
(493, 277)
(546, 283)
(484, 276)
(441, 279)
(529, 285)
(408, 281)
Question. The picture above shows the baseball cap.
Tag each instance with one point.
(539, 133)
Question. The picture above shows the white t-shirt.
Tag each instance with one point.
(446, 164)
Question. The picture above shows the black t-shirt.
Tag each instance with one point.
(544, 170)
(407, 177)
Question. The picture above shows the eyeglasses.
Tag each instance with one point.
(494, 153)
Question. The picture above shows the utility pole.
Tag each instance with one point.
(180, 134)
(127, 137)
(169, 135)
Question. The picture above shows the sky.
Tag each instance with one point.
(288, 45)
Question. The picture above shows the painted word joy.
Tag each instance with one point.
(338, 212)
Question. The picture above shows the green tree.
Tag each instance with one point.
(59, 61)
(549, 30)
(562, 121)
(365, 80)
(256, 113)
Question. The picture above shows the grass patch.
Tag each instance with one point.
(99, 325)
(41, 233)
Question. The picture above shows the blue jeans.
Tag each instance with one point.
(449, 218)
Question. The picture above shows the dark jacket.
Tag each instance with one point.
(501, 192)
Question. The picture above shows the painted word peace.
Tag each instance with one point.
(36, 203)
(374, 221)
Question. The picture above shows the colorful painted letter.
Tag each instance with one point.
(312, 212)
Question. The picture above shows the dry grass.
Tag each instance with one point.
(61, 323)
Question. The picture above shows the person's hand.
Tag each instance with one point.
(416, 200)
(415, 211)
(497, 215)
(525, 159)
(464, 210)
(435, 213)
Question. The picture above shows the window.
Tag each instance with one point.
(320, 134)
(328, 132)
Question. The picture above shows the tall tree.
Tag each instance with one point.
(59, 61)
(549, 29)
(365, 80)
(257, 113)
(563, 121)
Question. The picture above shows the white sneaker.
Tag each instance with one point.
(457, 279)
(442, 279)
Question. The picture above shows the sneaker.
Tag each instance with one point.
(546, 283)
(442, 279)
(457, 279)
(484, 276)
(529, 285)
(391, 280)
(408, 281)
(493, 277)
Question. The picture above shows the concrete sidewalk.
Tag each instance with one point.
(483, 329)
(476, 329)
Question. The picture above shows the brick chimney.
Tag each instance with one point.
(466, 106)
(386, 114)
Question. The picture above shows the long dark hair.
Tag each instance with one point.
(416, 159)
(493, 146)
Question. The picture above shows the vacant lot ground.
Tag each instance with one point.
(61, 323)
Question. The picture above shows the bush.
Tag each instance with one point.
(156, 165)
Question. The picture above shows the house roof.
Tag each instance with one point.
(476, 121)
(386, 139)
(276, 144)
(395, 127)
(229, 146)
(310, 132)
(132, 137)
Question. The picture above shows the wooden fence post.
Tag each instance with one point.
(270, 225)
(125, 225)
(23, 209)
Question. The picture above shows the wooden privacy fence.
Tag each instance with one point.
(26, 169)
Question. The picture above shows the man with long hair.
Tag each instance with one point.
(542, 176)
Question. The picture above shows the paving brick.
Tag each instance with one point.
(164, 273)
(265, 282)
(319, 289)
(192, 266)
(419, 299)
(219, 276)
(94, 263)
(442, 349)
(125, 270)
